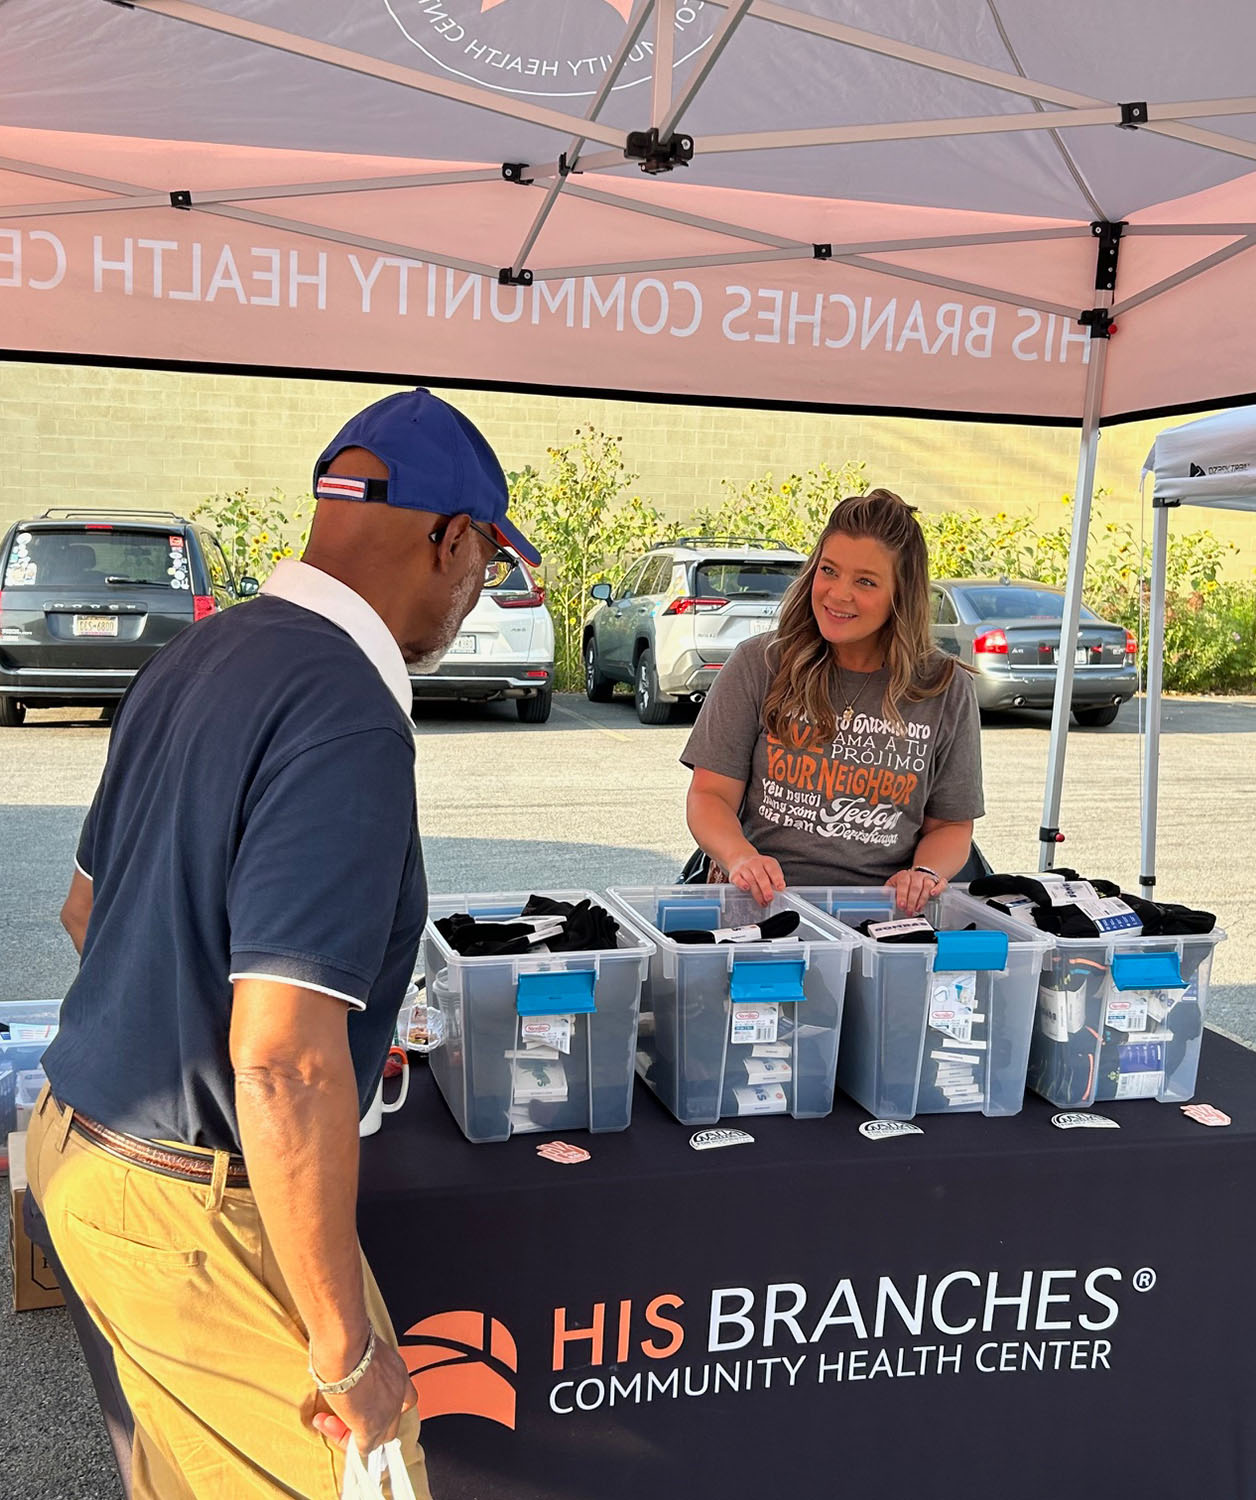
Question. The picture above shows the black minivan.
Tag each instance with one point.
(87, 596)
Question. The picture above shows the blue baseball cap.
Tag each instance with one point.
(437, 461)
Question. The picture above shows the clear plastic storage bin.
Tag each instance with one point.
(26, 1028)
(932, 1030)
(738, 1028)
(1121, 1018)
(581, 1008)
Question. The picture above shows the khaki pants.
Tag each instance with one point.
(211, 1353)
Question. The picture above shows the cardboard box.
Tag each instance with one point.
(34, 1284)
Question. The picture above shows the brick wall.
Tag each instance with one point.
(133, 438)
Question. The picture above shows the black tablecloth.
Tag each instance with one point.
(1146, 1389)
(1139, 1382)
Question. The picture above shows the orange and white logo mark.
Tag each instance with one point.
(560, 1151)
(463, 1364)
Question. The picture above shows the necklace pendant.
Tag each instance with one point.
(846, 718)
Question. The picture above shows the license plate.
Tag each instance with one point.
(95, 624)
(464, 645)
(760, 627)
(1081, 657)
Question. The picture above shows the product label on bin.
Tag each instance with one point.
(951, 1000)
(1068, 892)
(547, 1031)
(1126, 1011)
(23, 1032)
(1061, 1013)
(755, 1023)
(1139, 1085)
(1111, 914)
(901, 927)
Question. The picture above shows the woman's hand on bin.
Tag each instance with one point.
(760, 876)
(914, 889)
(371, 1411)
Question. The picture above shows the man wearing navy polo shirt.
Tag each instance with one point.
(248, 900)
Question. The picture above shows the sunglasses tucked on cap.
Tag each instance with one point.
(437, 461)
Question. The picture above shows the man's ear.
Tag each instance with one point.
(455, 536)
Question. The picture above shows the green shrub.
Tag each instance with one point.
(256, 531)
(580, 511)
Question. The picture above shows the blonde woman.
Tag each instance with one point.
(844, 749)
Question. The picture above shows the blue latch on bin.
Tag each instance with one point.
(971, 950)
(1147, 971)
(778, 981)
(696, 916)
(569, 992)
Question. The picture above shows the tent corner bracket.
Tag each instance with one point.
(822, 252)
(181, 198)
(1099, 321)
(567, 168)
(1133, 115)
(656, 155)
(1108, 233)
(508, 276)
(512, 171)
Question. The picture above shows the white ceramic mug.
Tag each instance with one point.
(374, 1116)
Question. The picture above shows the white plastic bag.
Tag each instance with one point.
(366, 1481)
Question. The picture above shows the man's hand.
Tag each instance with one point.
(759, 875)
(371, 1411)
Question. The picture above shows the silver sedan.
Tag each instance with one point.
(1008, 631)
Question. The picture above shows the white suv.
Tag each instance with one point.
(504, 650)
(674, 618)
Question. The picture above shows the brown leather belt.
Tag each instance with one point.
(187, 1166)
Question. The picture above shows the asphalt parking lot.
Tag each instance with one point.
(588, 800)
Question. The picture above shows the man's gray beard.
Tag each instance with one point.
(459, 608)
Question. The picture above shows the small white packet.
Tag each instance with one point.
(761, 1099)
(767, 1070)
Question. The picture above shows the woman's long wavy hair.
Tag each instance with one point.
(804, 680)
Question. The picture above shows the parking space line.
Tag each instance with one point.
(615, 734)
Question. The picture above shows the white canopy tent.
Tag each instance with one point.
(1211, 463)
(829, 203)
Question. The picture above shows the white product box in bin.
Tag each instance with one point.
(943, 1029)
(1121, 1018)
(738, 1028)
(533, 1042)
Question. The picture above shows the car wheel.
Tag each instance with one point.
(535, 710)
(651, 709)
(597, 689)
(1096, 718)
(12, 713)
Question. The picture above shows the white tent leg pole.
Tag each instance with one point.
(1155, 688)
(1083, 496)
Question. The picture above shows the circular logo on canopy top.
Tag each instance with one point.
(520, 47)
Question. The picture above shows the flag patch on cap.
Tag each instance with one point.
(337, 487)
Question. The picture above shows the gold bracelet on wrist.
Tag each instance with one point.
(339, 1387)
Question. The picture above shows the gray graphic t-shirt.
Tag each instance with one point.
(846, 811)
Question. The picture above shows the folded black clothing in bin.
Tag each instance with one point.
(1070, 919)
(585, 924)
(543, 926)
(772, 929)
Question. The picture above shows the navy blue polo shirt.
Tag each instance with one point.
(256, 816)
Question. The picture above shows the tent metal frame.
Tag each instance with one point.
(1055, 110)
